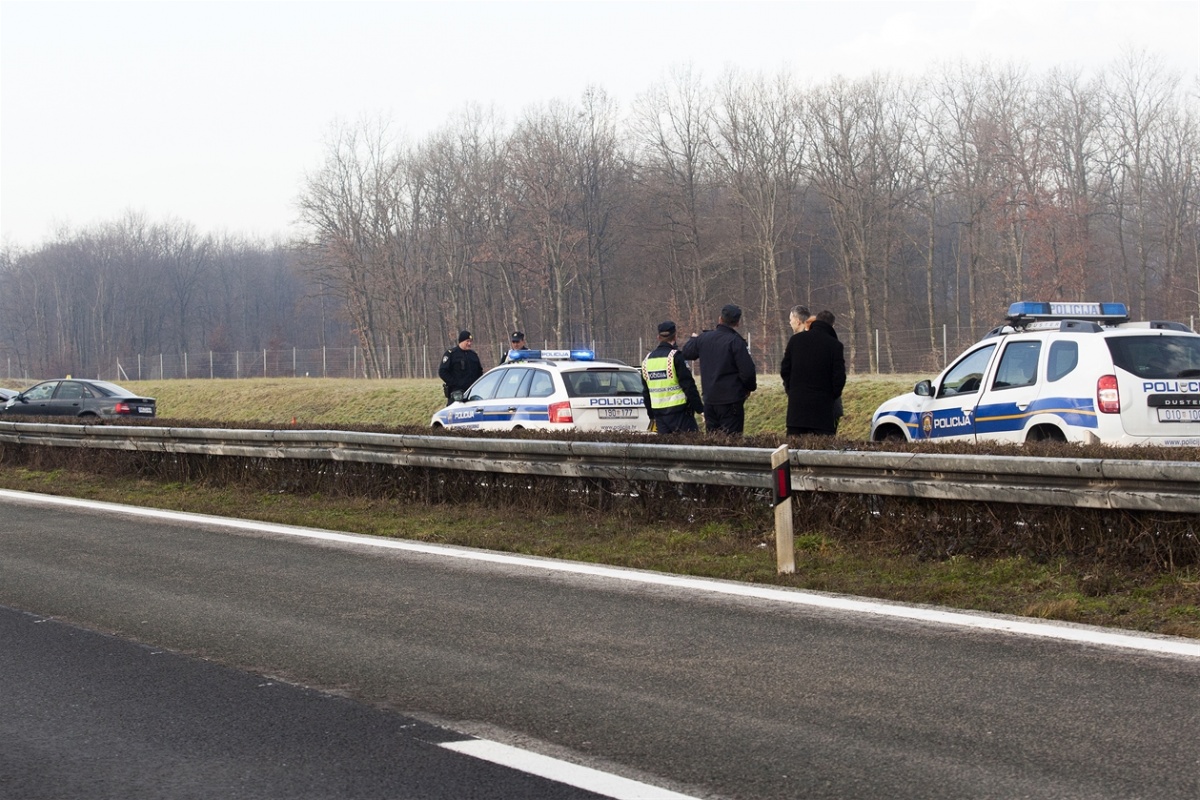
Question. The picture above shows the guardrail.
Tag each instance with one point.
(1141, 485)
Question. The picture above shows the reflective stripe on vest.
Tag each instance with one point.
(665, 391)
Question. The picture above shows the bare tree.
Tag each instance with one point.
(350, 204)
(671, 126)
(760, 145)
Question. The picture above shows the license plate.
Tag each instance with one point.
(618, 413)
(1179, 415)
(145, 409)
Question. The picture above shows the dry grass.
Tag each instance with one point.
(330, 401)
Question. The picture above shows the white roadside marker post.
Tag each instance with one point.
(781, 484)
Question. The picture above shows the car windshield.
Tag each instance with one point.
(1157, 356)
(599, 382)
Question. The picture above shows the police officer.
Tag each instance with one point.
(460, 366)
(518, 343)
(670, 392)
(727, 373)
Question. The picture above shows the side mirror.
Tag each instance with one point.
(456, 396)
(923, 389)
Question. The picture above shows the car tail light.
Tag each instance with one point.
(122, 408)
(1108, 398)
(561, 412)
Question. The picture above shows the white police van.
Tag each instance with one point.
(551, 390)
(1069, 372)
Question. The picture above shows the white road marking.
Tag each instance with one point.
(1045, 629)
(592, 780)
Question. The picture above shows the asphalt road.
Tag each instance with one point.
(704, 692)
(87, 716)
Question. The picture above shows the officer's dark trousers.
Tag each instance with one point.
(681, 421)
(727, 418)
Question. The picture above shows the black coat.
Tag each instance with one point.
(727, 373)
(814, 374)
(459, 369)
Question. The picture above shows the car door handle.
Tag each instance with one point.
(512, 409)
(1022, 406)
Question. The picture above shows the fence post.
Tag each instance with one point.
(781, 484)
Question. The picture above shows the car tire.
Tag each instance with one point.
(1045, 433)
(890, 434)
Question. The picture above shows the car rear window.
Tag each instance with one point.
(1156, 356)
(601, 382)
(111, 389)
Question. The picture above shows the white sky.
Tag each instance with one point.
(211, 112)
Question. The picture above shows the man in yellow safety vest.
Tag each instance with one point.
(670, 393)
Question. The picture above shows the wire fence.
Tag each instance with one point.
(881, 352)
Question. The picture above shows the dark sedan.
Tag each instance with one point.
(76, 398)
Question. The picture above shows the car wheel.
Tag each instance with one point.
(890, 434)
(1045, 433)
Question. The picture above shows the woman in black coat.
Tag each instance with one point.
(814, 374)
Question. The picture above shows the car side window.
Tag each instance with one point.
(510, 383)
(69, 390)
(542, 385)
(1018, 365)
(485, 387)
(966, 376)
(1063, 358)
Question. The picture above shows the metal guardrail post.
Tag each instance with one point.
(781, 483)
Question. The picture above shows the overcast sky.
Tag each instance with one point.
(211, 112)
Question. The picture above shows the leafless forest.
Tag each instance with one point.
(909, 207)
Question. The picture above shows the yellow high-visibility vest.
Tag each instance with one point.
(665, 391)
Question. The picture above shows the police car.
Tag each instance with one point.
(551, 390)
(1068, 372)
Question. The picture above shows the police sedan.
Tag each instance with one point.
(551, 390)
(1066, 372)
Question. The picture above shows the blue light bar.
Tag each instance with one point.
(1085, 311)
(552, 355)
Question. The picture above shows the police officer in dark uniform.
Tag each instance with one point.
(669, 391)
(460, 366)
(518, 343)
(727, 373)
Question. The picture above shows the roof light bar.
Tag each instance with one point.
(552, 355)
(1107, 312)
